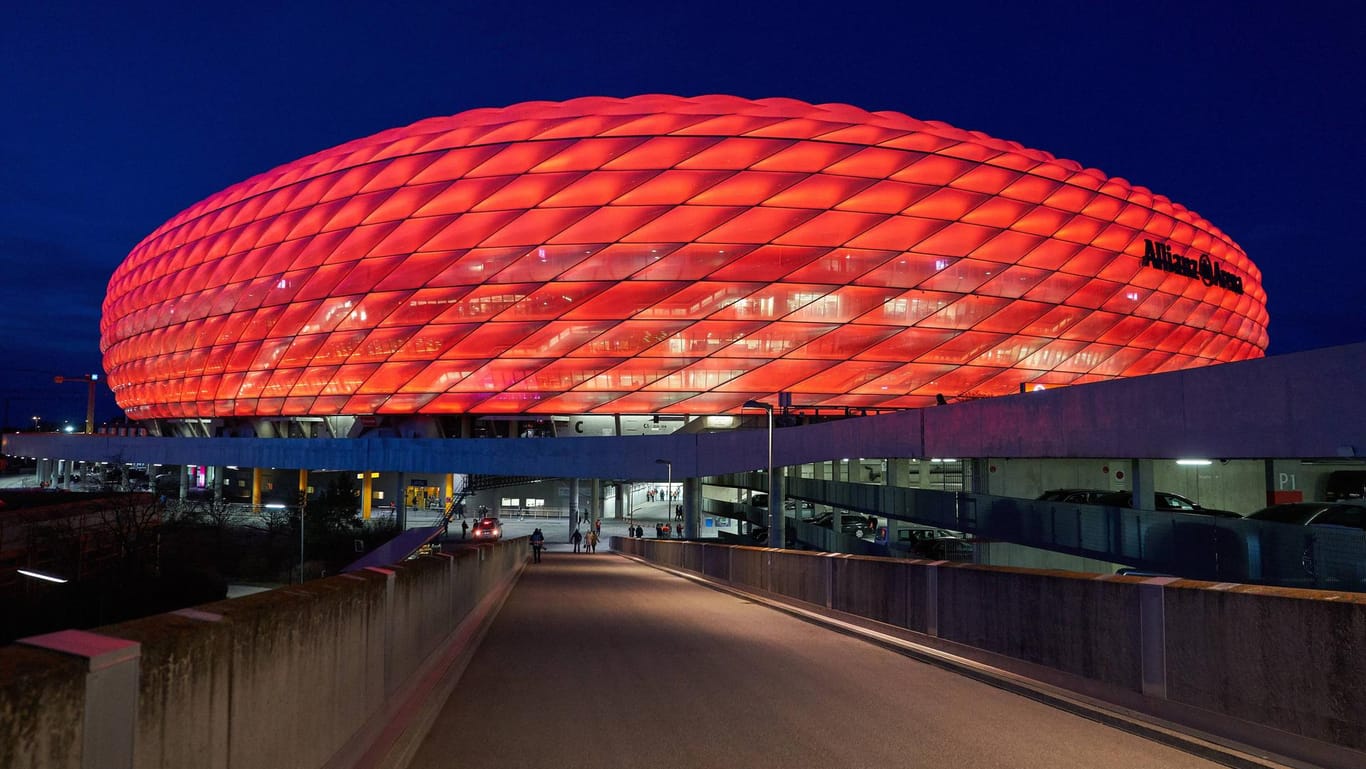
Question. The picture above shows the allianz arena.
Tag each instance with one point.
(665, 255)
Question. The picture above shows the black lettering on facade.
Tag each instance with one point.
(1160, 256)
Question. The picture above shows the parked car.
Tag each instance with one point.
(936, 544)
(1074, 496)
(487, 530)
(1166, 502)
(1323, 567)
(850, 523)
(1345, 484)
(1349, 514)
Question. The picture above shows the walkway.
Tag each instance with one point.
(597, 661)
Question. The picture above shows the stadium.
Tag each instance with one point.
(660, 255)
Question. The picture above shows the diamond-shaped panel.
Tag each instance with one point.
(670, 254)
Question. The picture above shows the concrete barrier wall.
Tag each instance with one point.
(1292, 659)
(42, 696)
(1077, 625)
(1277, 667)
(300, 676)
(876, 588)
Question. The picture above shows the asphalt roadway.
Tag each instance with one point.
(598, 661)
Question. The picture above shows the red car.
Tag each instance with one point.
(486, 530)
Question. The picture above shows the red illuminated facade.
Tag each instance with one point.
(666, 255)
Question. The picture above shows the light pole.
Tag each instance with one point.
(775, 509)
(90, 380)
(36, 420)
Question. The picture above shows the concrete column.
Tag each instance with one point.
(777, 534)
(692, 507)
(981, 476)
(574, 508)
(1141, 481)
(184, 482)
(256, 486)
(215, 478)
(449, 496)
(621, 499)
(367, 491)
(109, 721)
(595, 500)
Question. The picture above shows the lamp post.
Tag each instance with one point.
(775, 509)
(90, 380)
(36, 420)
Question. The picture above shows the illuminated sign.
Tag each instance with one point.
(1211, 273)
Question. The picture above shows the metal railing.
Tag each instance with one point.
(1186, 545)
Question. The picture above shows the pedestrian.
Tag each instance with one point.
(576, 538)
(464, 529)
(597, 526)
(659, 530)
(679, 530)
(537, 542)
(592, 541)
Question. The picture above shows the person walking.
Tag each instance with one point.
(592, 541)
(537, 542)
(464, 529)
(576, 538)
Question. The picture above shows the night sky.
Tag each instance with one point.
(116, 116)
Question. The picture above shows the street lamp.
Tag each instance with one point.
(775, 509)
(90, 380)
(36, 420)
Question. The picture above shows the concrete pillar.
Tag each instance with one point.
(109, 719)
(692, 507)
(595, 500)
(777, 534)
(449, 495)
(981, 476)
(184, 482)
(215, 478)
(367, 491)
(574, 508)
(620, 501)
(256, 486)
(1141, 481)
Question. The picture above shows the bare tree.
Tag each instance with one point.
(132, 522)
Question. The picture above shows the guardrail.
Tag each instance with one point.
(1192, 546)
(1281, 669)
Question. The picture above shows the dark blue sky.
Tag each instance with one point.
(118, 115)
